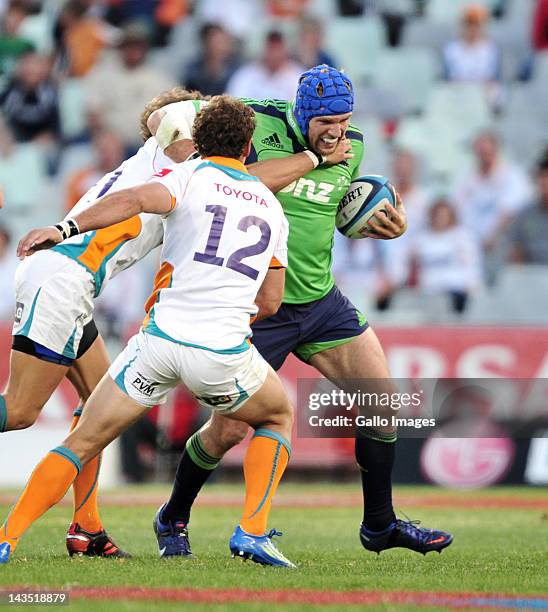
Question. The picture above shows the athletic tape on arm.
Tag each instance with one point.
(176, 124)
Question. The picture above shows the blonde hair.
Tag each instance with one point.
(177, 94)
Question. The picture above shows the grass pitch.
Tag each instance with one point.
(500, 547)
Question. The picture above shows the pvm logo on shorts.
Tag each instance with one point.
(144, 386)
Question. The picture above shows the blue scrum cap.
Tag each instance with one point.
(322, 90)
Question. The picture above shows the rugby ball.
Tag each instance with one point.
(365, 196)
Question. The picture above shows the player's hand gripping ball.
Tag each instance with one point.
(371, 208)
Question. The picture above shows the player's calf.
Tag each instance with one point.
(271, 414)
(31, 383)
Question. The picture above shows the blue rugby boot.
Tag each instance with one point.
(5, 552)
(172, 537)
(259, 549)
(405, 534)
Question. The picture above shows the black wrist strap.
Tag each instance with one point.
(67, 229)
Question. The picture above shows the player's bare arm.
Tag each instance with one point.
(112, 209)
(270, 295)
(279, 173)
(390, 225)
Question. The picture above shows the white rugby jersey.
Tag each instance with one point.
(224, 233)
(106, 252)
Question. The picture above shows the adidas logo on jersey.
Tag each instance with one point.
(273, 141)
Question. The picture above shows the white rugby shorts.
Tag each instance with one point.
(54, 301)
(150, 366)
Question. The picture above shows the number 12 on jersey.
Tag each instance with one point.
(235, 260)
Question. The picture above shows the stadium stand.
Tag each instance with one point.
(401, 101)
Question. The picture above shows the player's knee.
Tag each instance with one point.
(221, 434)
(282, 415)
(21, 419)
(21, 413)
(233, 434)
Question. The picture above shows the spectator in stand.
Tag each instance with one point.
(210, 71)
(12, 44)
(405, 179)
(492, 194)
(310, 49)
(395, 255)
(540, 26)
(117, 90)
(474, 56)
(166, 15)
(80, 37)
(8, 265)
(109, 154)
(287, 9)
(275, 75)
(29, 102)
(529, 232)
(157, 16)
(351, 8)
(448, 256)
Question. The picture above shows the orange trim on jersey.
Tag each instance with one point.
(275, 264)
(162, 280)
(227, 161)
(107, 240)
(173, 202)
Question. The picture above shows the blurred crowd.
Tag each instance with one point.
(452, 97)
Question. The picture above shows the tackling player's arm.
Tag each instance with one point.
(112, 209)
(270, 295)
(280, 172)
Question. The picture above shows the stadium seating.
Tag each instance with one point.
(520, 11)
(324, 9)
(464, 103)
(505, 305)
(72, 109)
(540, 69)
(22, 177)
(380, 102)
(523, 138)
(38, 29)
(363, 39)
(413, 307)
(514, 41)
(376, 153)
(440, 143)
(428, 34)
(410, 73)
(450, 10)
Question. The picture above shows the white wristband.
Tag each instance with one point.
(314, 157)
(67, 228)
